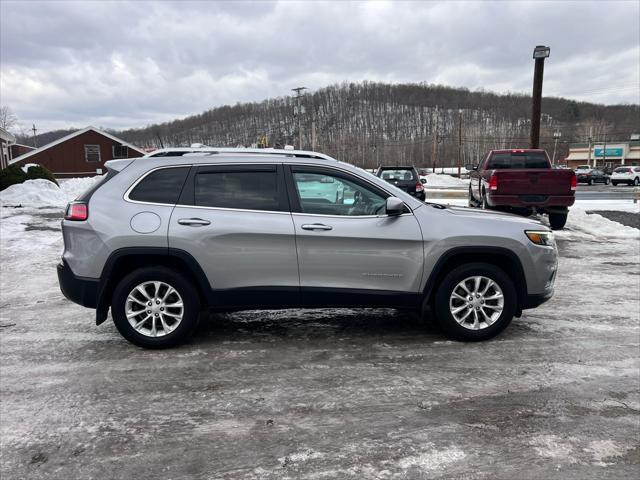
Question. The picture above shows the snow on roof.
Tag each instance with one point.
(70, 136)
(7, 136)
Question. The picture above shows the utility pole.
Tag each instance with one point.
(459, 142)
(539, 54)
(34, 129)
(299, 113)
(590, 136)
(313, 134)
(556, 136)
(435, 143)
(604, 151)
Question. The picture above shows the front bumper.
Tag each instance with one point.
(533, 301)
(80, 290)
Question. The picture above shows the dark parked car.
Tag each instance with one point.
(592, 176)
(405, 178)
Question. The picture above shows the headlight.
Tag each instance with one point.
(541, 237)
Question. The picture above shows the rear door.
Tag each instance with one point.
(347, 244)
(235, 221)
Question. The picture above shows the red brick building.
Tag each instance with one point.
(80, 154)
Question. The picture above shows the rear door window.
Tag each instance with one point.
(160, 186)
(517, 160)
(246, 189)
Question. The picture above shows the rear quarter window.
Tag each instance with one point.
(160, 186)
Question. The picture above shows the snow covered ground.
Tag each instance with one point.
(439, 180)
(327, 394)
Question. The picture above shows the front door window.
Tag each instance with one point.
(328, 194)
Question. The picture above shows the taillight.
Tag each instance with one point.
(493, 182)
(419, 187)
(76, 211)
(574, 182)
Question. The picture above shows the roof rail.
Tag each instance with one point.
(251, 151)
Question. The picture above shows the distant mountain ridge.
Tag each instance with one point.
(371, 123)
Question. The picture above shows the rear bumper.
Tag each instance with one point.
(80, 290)
(522, 200)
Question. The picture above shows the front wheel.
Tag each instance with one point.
(636, 182)
(606, 181)
(589, 182)
(484, 205)
(472, 203)
(475, 302)
(155, 307)
(558, 220)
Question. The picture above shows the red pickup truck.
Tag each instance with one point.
(523, 181)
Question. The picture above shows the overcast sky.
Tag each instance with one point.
(129, 64)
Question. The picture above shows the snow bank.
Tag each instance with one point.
(439, 180)
(43, 193)
(598, 226)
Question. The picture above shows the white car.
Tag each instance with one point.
(629, 175)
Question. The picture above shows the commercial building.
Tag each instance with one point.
(604, 155)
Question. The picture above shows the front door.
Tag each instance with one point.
(235, 221)
(345, 241)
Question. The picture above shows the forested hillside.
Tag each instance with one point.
(371, 123)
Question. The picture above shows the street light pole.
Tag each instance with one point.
(539, 54)
(556, 136)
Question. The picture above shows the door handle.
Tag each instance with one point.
(194, 222)
(316, 226)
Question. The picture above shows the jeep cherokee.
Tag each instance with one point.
(159, 240)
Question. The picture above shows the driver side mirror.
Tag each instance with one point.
(471, 167)
(395, 206)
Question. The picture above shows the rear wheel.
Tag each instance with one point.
(475, 302)
(589, 182)
(155, 307)
(558, 220)
(636, 182)
(606, 181)
(615, 184)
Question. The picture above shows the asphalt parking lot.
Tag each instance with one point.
(323, 393)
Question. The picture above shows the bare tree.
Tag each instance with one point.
(7, 118)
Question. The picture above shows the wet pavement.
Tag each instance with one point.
(323, 393)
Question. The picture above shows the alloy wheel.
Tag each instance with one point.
(154, 309)
(476, 302)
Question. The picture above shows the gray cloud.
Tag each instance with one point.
(121, 65)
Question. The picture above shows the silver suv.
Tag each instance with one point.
(161, 239)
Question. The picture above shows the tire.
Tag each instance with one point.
(457, 330)
(589, 182)
(558, 220)
(183, 290)
(606, 181)
(615, 184)
(472, 202)
(484, 205)
(636, 181)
